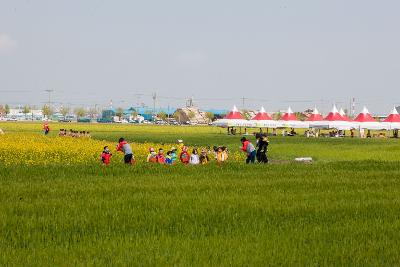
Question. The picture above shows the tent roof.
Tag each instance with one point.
(343, 114)
(262, 115)
(364, 116)
(234, 114)
(289, 116)
(393, 116)
(315, 116)
(334, 115)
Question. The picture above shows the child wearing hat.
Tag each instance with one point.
(152, 156)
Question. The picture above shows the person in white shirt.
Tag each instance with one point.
(194, 158)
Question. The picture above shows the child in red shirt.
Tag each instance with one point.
(184, 156)
(160, 156)
(106, 156)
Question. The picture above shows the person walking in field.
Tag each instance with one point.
(125, 148)
(106, 156)
(262, 148)
(184, 156)
(46, 128)
(249, 149)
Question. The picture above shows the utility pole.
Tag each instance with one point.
(243, 100)
(154, 102)
(49, 91)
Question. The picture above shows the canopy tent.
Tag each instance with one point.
(364, 120)
(315, 116)
(333, 121)
(392, 121)
(343, 114)
(263, 120)
(233, 119)
(289, 120)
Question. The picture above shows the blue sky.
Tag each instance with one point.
(274, 53)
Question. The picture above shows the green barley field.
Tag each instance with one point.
(341, 210)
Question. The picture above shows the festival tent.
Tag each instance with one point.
(341, 112)
(333, 121)
(263, 120)
(289, 120)
(364, 120)
(315, 116)
(392, 121)
(233, 119)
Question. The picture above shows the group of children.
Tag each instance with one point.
(171, 157)
(258, 152)
(73, 133)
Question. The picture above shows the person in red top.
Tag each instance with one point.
(160, 156)
(184, 156)
(106, 156)
(46, 128)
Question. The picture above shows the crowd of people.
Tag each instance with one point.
(74, 133)
(254, 153)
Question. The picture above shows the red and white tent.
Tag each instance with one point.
(333, 121)
(233, 119)
(364, 120)
(392, 121)
(263, 120)
(315, 116)
(341, 112)
(289, 120)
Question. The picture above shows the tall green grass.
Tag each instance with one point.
(341, 210)
(343, 213)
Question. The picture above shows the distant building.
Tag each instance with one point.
(17, 113)
(192, 115)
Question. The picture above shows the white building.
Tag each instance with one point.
(17, 114)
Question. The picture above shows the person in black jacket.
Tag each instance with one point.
(262, 148)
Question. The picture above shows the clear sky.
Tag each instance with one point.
(275, 53)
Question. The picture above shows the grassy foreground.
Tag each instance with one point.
(341, 210)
